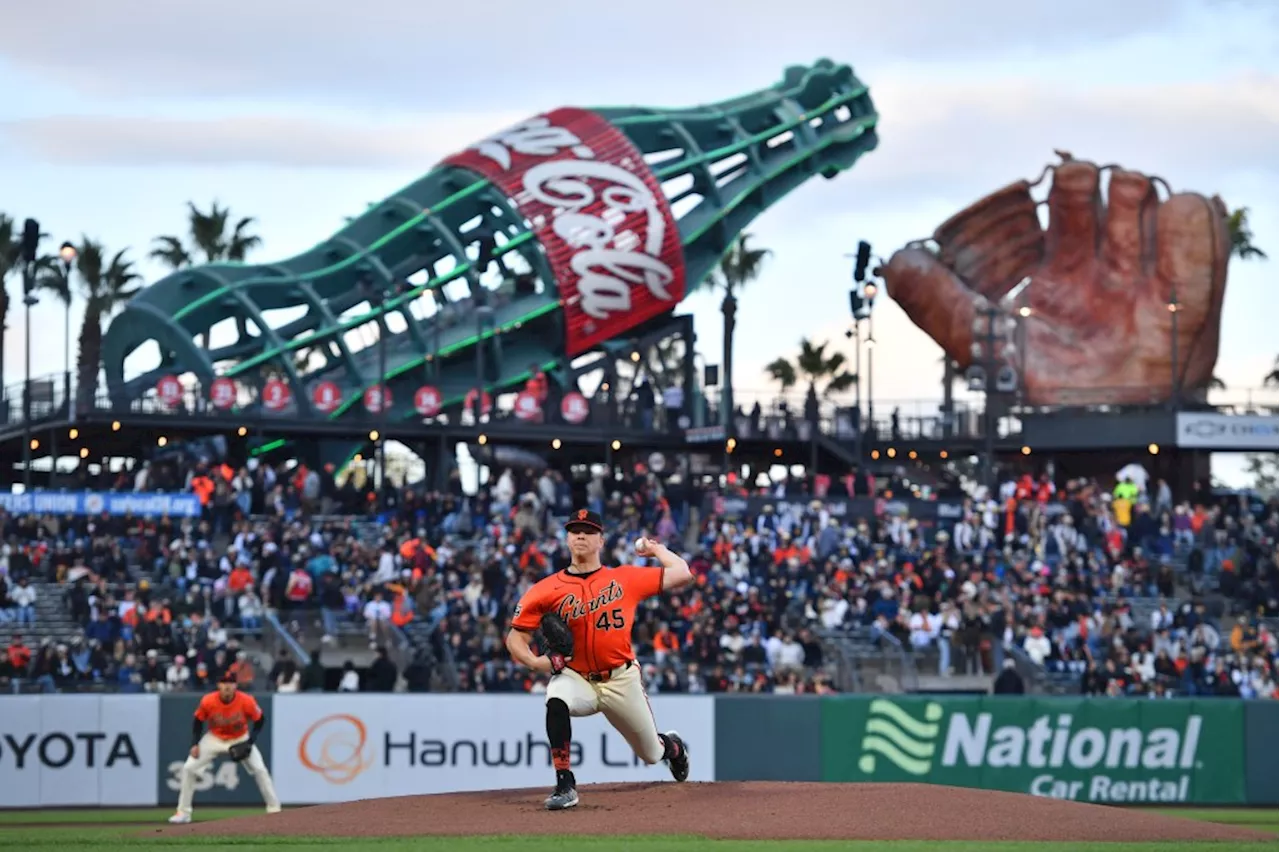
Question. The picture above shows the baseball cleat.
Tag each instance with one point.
(562, 799)
(566, 792)
(679, 765)
(180, 819)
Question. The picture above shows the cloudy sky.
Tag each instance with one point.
(300, 113)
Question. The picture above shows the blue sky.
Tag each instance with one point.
(301, 113)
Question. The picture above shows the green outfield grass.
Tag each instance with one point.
(104, 830)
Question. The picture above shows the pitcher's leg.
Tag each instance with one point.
(568, 695)
(257, 767)
(625, 704)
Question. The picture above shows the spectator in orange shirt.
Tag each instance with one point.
(239, 579)
(665, 642)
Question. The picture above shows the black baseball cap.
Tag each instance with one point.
(584, 518)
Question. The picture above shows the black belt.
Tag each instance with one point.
(604, 677)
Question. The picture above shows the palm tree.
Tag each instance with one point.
(816, 366)
(207, 236)
(1241, 236)
(104, 287)
(53, 277)
(1242, 247)
(10, 260)
(739, 266)
(783, 372)
(1272, 379)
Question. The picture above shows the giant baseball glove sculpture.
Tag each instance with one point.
(1103, 276)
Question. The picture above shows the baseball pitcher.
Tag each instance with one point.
(585, 613)
(228, 713)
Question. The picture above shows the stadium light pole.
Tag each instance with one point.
(29, 247)
(377, 298)
(990, 313)
(68, 256)
(1175, 391)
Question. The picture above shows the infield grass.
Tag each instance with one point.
(106, 830)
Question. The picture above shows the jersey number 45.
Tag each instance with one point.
(611, 620)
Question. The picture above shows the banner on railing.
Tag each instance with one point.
(141, 504)
(58, 750)
(1102, 750)
(343, 747)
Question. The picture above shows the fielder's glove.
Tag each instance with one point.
(559, 641)
(240, 751)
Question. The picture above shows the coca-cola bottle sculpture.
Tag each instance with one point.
(526, 249)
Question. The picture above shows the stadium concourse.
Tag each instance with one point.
(301, 584)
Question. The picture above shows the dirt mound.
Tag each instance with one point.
(737, 810)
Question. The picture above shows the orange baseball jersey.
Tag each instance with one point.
(599, 608)
(228, 720)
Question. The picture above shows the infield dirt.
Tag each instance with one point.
(751, 810)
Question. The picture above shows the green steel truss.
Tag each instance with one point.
(720, 166)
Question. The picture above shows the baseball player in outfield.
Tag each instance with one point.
(598, 604)
(228, 713)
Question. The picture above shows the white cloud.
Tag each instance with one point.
(294, 142)
(973, 139)
(935, 138)
(504, 51)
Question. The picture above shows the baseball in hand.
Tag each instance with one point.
(642, 546)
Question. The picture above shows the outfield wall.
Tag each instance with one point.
(121, 750)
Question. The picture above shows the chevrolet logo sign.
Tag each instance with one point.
(1214, 431)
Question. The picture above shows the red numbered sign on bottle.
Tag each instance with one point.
(427, 401)
(377, 398)
(222, 393)
(326, 396)
(169, 391)
(526, 406)
(275, 395)
(574, 407)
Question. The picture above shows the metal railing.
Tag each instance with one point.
(399, 652)
(892, 658)
(276, 638)
(780, 415)
(848, 677)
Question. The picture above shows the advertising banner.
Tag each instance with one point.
(1105, 750)
(790, 724)
(1262, 733)
(58, 750)
(342, 747)
(142, 505)
(223, 782)
(1208, 430)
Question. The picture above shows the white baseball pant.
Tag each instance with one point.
(623, 701)
(211, 748)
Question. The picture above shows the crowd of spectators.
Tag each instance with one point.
(1058, 572)
(1043, 572)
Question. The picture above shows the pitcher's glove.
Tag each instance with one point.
(240, 751)
(559, 641)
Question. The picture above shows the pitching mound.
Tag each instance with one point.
(739, 810)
